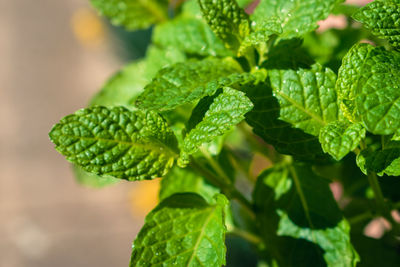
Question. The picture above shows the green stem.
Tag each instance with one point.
(360, 218)
(380, 201)
(226, 188)
(215, 165)
(301, 195)
(251, 238)
(256, 145)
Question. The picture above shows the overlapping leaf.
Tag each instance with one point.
(185, 82)
(227, 20)
(190, 35)
(186, 180)
(307, 97)
(123, 86)
(264, 118)
(133, 14)
(297, 17)
(117, 142)
(227, 110)
(369, 88)
(385, 160)
(382, 17)
(183, 230)
(300, 220)
(340, 138)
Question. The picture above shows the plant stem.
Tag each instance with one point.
(215, 165)
(256, 144)
(360, 217)
(380, 201)
(227, 188)
(251, 238)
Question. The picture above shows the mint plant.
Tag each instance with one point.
(220, 84)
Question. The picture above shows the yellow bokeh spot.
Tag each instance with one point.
(144, 196)
(87, 27)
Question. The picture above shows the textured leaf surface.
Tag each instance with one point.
(133, 14)
(382, 161)
(264, 118)
(227, 110)
(307, 97)
(118, 142)
(227, 20)
(369, 88)
(183, 230)
(260, 34)
(340, 138)
(191, 35)
(297, 17)
(300, 220)
(382, 17)
(185, 82)
(186, 181)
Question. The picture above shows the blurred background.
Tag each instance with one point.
(54, 56)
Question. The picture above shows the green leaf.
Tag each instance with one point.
(382, 161)
(383, 19)
(227, 110)
(92, 180)
(297, 17)
(125, 144)
(264, 118)
(227, 20)
(129, 82)
(133, 15)
(369, 88)
(339, 138)
(307, 97)
(260, 34)
(190, 35)
(158, 58)
(185, 82)
(183, 230)
(123, 86)
(186, 181)
(300, 220)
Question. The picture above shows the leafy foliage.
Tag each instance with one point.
(226, 110)
(339, 138)
(133, 15)
(255, 101)
(227, 20)
(116, 142)
(383, 19)
(182, 230)
(296, 17)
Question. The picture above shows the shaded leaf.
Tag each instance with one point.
(264, 118)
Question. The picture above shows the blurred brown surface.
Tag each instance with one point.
(46, 219)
